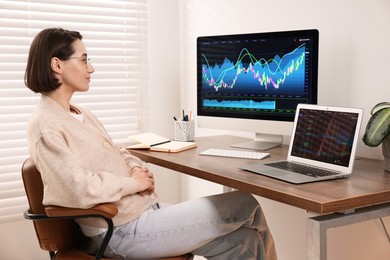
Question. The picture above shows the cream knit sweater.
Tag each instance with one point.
(79, 164)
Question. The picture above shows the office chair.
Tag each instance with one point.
(56, 231)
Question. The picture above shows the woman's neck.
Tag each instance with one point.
(61, 97)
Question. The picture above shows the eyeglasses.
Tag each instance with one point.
(84, 59)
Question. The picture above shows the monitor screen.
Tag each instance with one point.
(257, 76)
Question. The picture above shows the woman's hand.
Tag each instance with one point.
(145, 179)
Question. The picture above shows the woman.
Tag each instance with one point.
(81, 167)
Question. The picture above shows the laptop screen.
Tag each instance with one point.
(324, 135)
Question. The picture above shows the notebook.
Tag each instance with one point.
(155, 142)
(323, 139)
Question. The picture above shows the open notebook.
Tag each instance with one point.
(323, 140)
(155, 142)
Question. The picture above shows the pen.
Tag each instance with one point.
(174, 118)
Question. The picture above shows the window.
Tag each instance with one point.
(114, 33)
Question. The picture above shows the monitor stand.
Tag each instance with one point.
(261, 142)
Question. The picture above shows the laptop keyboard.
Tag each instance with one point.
(302, 169)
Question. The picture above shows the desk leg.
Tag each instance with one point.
(316, 239)
(317, 227)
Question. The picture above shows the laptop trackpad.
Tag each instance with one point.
(263, 169)
(274, 172)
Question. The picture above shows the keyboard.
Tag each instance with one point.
(302, 169)
(235, 153)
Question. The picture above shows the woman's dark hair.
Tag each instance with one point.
(49, 43)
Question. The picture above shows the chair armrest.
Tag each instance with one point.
(108, 210)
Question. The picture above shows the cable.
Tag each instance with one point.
(384, 227)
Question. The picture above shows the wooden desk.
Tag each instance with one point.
(363, 196)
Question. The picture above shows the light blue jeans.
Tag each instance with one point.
(227, 226)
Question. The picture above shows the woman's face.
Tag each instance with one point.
(77, 70)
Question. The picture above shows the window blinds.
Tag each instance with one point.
(114, 33)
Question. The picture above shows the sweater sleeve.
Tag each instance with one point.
(131, 160)
(69, 182)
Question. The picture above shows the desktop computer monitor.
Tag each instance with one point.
(253, 82)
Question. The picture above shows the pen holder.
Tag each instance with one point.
(184, 130)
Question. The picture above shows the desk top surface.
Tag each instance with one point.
(368, 185)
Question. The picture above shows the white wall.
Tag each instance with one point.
(164, 86)
(164, 75)
(18, 242)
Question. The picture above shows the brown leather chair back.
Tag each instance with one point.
(53, 235)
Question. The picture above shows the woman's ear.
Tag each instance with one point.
(56, 64)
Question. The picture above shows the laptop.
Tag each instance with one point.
(322, 146)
